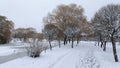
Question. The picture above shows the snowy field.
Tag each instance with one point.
(85, 55)
(11, 48)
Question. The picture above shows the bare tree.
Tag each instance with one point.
(60, 35)
(107, 21)
(66, 14)
(6, 28)
(50, 32)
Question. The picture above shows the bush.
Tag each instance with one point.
(34, 50)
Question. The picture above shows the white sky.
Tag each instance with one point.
(29, 13)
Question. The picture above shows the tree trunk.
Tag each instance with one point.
(50, 45)
(72, 42)
(59, 44)
(69, 40)
(98, 43)
(65, 39)
(114, 49)
(77, 40)
(101, 40)
(104, 46)
(101, 44)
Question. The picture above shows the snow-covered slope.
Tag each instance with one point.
(85, 55)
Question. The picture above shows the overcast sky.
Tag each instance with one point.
(29, 13)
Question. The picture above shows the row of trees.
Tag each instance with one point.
(106, 24)
(24, 34)
(66, 22)
(7, 32)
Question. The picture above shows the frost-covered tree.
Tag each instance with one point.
(107, 21)
(50, 32)
(72, 29)
(97, 28)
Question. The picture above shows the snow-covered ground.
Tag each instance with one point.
(11, 51)
(11, 48)
(85, 55)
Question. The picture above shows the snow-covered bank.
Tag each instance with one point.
(106, 59)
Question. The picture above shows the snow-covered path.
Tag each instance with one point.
(66, 61)
(70, 60)
(89, 60)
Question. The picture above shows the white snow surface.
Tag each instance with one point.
(11, 48)
(85, 55)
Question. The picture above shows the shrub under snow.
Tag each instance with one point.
(34, 50)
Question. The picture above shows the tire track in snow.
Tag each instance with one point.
(59, 59)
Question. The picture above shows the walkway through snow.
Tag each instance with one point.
(70, 59)
(88, 61)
